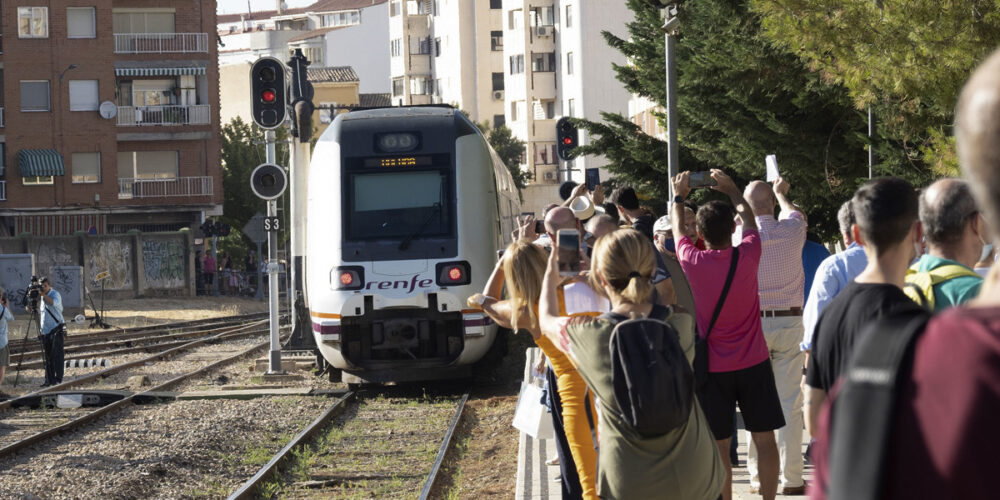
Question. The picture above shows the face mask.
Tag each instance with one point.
(987, 250)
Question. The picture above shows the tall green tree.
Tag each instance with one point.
(908, 60)
(740, 98)
(509, 148)
(243, 150)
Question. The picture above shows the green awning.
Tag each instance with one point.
(159, 71)
(40, 162)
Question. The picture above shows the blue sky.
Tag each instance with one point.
(236, 6)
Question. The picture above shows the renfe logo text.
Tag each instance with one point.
(407, 285)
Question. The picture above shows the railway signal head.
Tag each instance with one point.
(207, 228)
(268, 92)
(567, 138)
(268, 181)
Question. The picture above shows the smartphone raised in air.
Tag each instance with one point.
(701, 179)
(568, 248)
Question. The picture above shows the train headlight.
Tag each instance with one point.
(397, 142)
(348, 278)
(453, 273)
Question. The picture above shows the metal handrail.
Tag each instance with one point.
(129, 188)
(160, 43)
(133, 116)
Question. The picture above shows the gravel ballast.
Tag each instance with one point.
(201, 448)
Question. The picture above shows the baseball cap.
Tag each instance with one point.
(662, 224)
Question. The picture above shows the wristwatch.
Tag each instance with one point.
(678, 199)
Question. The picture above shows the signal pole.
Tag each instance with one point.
(302, 109)
(274, 363)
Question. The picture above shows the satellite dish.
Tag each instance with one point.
(108, 110)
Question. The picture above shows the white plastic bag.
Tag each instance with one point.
(531, 416)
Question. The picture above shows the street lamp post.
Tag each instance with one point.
(670, 28)
(56, 115)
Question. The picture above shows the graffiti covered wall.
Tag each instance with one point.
(113, 255)
(163, 261)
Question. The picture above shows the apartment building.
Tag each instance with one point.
(558, 64)
(450, 52)
(330, 33)
(109, 116)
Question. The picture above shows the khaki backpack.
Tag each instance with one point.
(920, 285)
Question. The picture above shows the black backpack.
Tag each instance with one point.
(863, 407)
(653, 381)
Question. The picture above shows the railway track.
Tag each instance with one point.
(90, 342)
(22, 427)
(364, 446)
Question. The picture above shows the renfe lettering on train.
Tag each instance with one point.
(408, 285)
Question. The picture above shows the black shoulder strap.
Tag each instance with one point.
(864, 406)
(725, 290)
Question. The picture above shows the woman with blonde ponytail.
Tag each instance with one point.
(683, 463)
(521, 269)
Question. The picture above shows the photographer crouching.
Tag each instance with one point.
(53, 331)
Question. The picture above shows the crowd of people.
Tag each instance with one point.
(232, 280)
(887, 352)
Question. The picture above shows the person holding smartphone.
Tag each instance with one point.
(5, 316)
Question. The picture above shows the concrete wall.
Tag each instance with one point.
(372, 63)
(138, 265)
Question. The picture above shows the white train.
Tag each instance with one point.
(407, 208)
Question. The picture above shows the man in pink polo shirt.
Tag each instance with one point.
(780, 280)
(738, 359)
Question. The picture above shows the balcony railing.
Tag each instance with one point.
(132, 116)
(129, 188)
(3, 190)
(160, 43)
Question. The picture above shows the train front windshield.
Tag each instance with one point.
(398, 205)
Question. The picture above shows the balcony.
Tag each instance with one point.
(129, 188)
(135, 116)
(160, 43)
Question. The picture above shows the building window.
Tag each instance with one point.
(515, 22)
(421, 86)
(498, 121)
(497, 81)
(33, 22)
(542, 16)
(571, 108)
(513, 111)
(545, 153)
(395, 8)
(397, 86)
(140, 21)
(35, 95)
(517, 64)
(83, 95)
(496, 4)
(420, 46)
(437, 47)
(342, 18)
(396, 47)
(81, 22)
(44, 180)
(86, 168)
(314, 55)
(550, 109)
(543, 61)
(147, 165)
(496, 41)
(569, 63)
(569, 16)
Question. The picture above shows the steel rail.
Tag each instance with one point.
(155, 357)
(251, 487)
(158, 341)
(94, 415)
(81, 339)
(445, 444)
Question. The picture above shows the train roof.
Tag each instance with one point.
(423, 111)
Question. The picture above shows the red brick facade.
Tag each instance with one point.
(117, 208)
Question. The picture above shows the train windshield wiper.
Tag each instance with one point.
(409, 239)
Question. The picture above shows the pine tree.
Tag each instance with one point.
(740, 98)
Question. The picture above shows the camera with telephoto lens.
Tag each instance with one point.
(33, 293)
